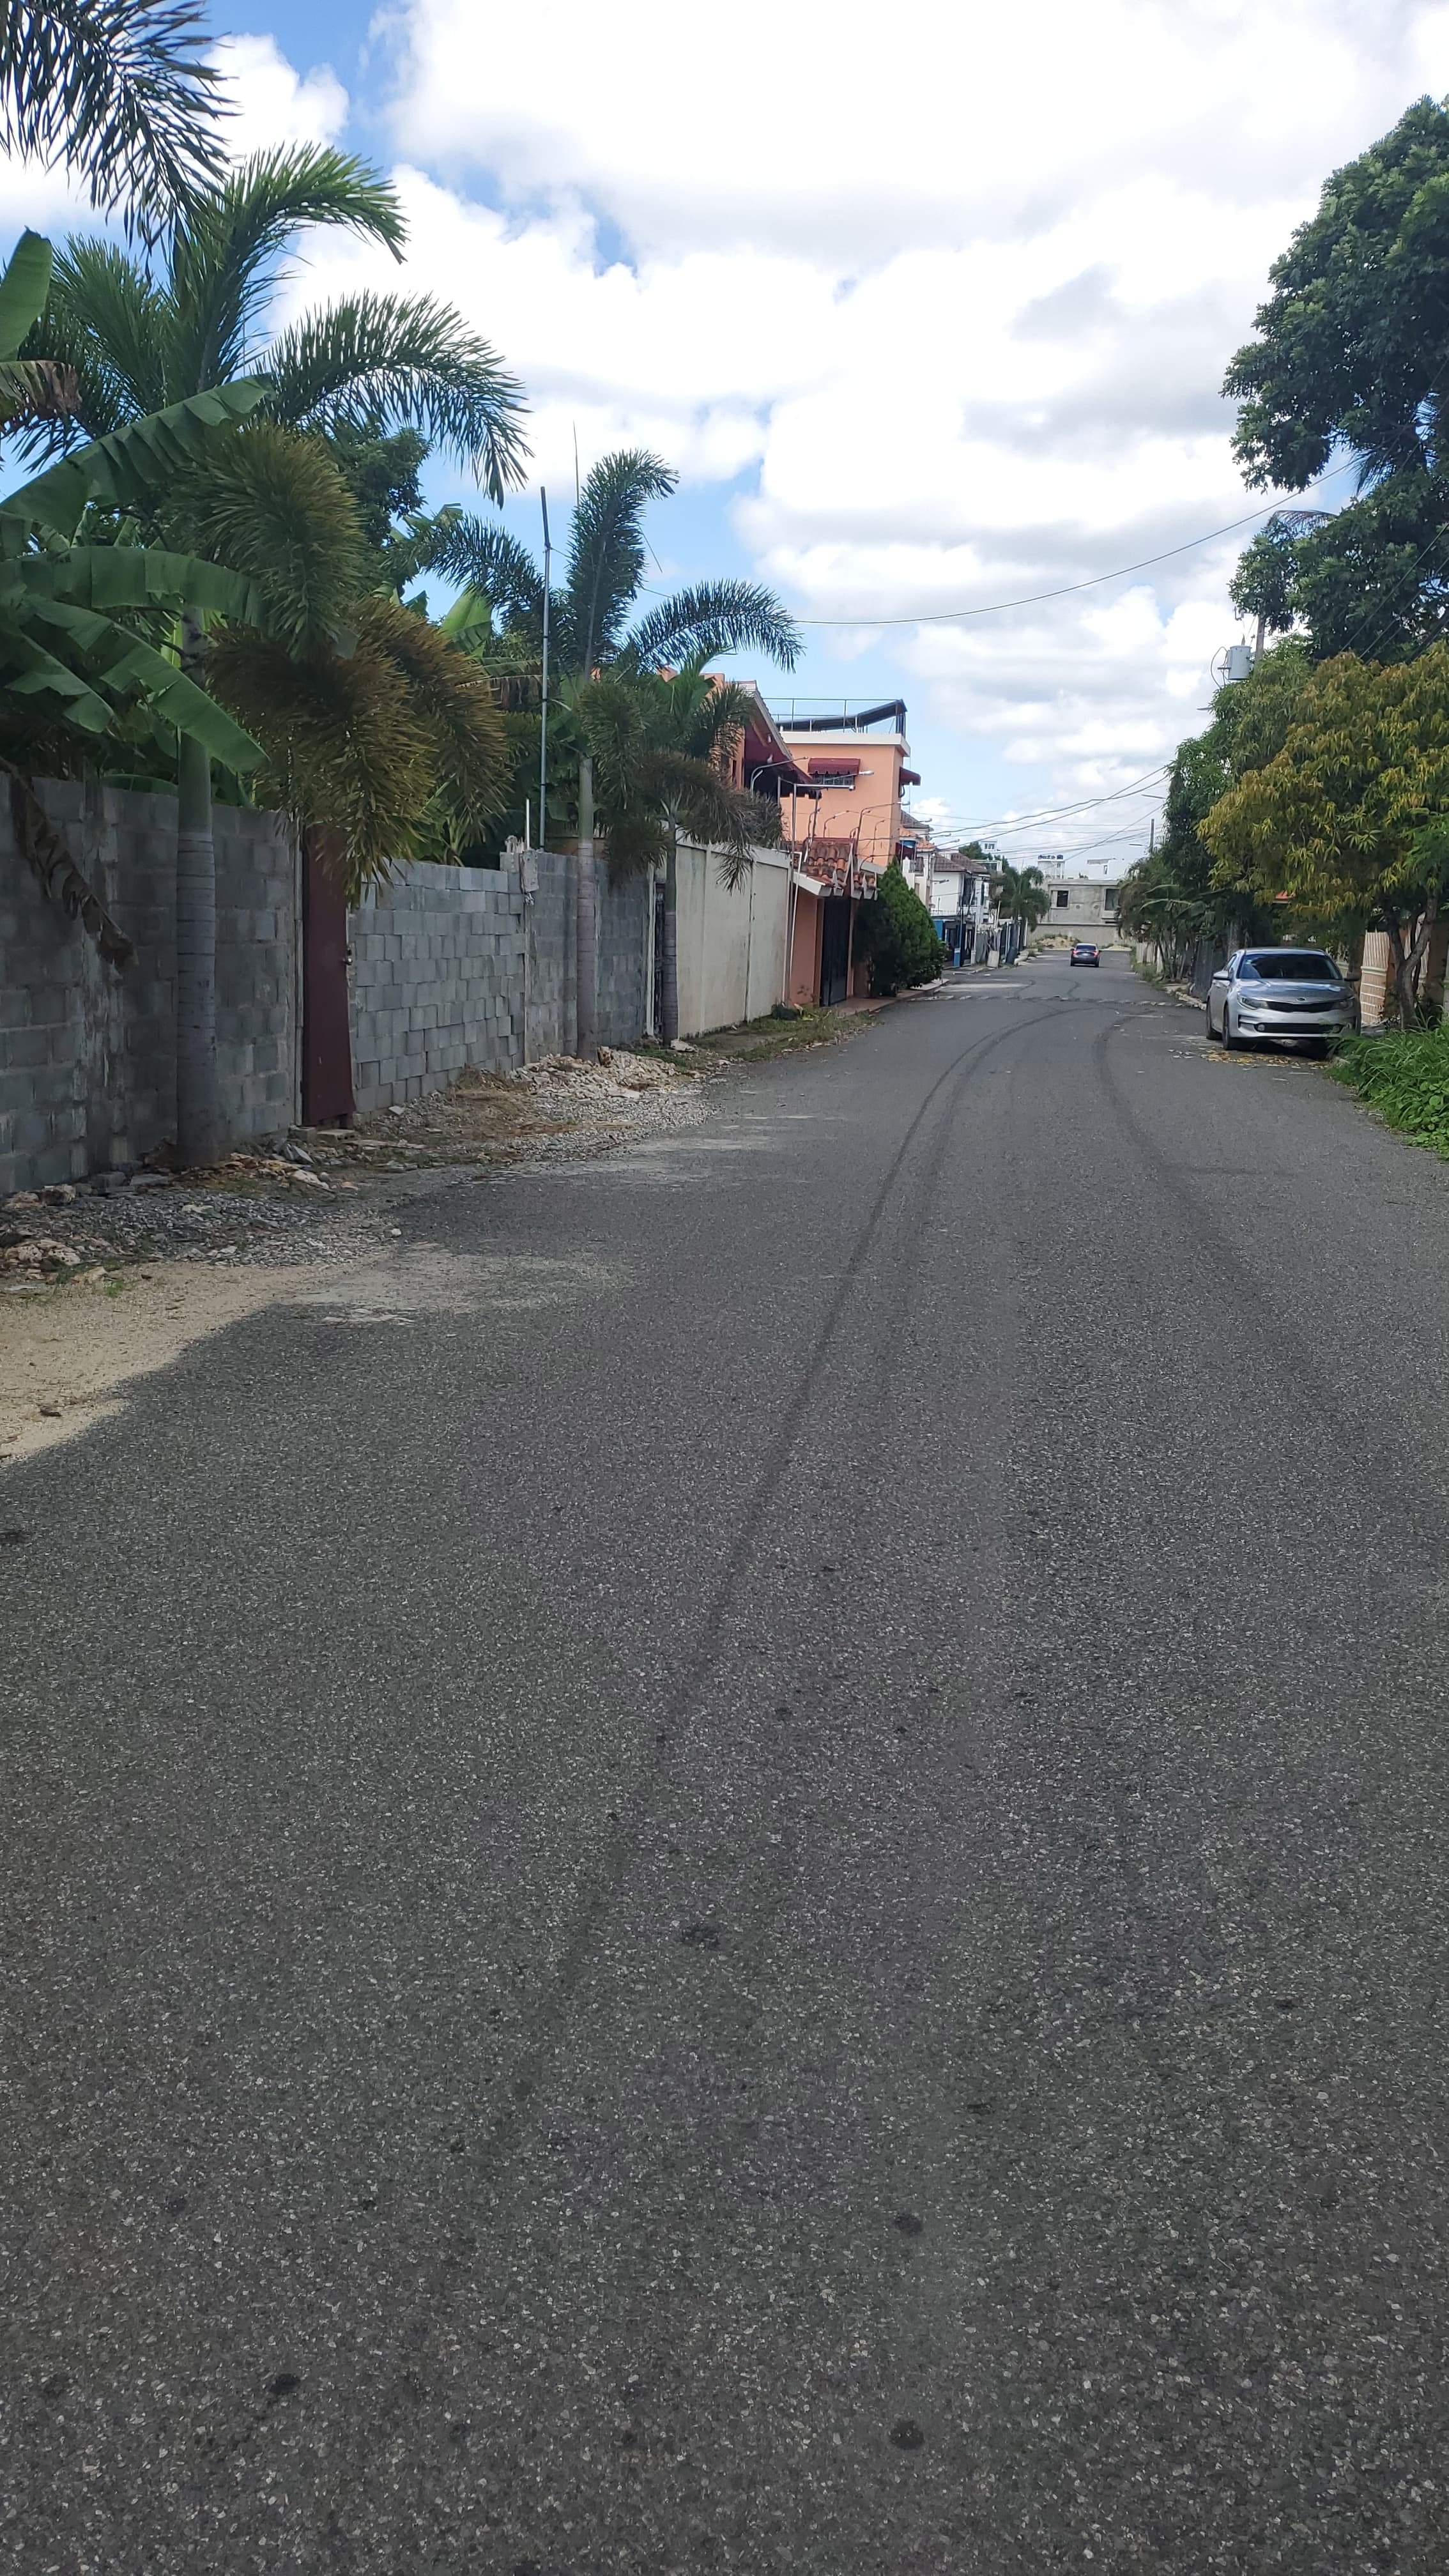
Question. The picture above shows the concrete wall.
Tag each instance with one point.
(87, 1054)
(1089, 910)
(436, 980)
(450, 967)
(731, 945)
(440, 978)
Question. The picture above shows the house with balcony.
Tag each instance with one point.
(842, 818)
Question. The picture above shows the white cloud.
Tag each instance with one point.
(951, 291)
(273, 105)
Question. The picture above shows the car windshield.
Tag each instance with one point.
(1291, 966)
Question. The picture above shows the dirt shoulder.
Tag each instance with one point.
(102, 1282)
(67, 1351)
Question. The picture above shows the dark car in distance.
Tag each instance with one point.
(1084, 954)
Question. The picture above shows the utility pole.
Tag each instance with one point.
(543, 715)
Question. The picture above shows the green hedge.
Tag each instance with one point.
(1406, 1079)
(895, 933)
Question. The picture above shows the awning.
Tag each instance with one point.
(842, 764)
(910, 778)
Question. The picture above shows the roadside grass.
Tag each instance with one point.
(1404, 1078)
(755, 1041)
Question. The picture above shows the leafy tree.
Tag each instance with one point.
(1352, 354)
(139, 333)
(896, 935)
(118, 90)
(1021, 894)
(136, 330)
(659, 747)
(74, 660)
(1171, 897)
(593, 627)
(1350, 819)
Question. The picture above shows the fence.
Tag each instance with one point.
(448, 967)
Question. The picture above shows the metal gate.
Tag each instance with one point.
(327, 1095)
(835, 949)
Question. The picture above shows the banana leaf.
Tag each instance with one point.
(109, 577)
(24, 287)
(129, 467)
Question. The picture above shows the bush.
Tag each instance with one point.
(894, 934)
(1406, 1079)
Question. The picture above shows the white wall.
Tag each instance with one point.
(731, 945)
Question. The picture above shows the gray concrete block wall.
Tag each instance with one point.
(87, 1054)
(624, 919)
(448, 962)
(436, 981)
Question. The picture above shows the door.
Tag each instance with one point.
(835, 950)
(327, 1097)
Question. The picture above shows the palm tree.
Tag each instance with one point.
(364, 711)
(115, 89)
(136, 332)
(590, 628)
(140, 333)
(658, 746)
(1021, 895)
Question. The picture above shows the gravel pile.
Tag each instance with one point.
(553, 1111)
(330, 1195)
(233, 1214)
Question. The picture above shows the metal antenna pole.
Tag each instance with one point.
(543, 720)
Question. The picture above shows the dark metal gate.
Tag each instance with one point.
(835, 949)
(327, 1096)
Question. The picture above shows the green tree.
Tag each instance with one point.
(660, 748)
(82, 625)
(1021, 895)
(1351, 355)
(593, 627)
(895, 934)
(117, 90)
(139, 333)
(1350, 819)
(1172, 897)
(137, 330)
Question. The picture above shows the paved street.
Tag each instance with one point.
(744, 1868)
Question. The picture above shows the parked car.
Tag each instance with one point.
(1292, 996)
(1084, 954)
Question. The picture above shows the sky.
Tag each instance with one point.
(929, 307)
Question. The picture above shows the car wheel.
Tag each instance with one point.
(1212, 1032)
(1231, 1044)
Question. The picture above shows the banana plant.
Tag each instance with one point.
(77, 662)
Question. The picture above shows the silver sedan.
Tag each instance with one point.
(1281, 993)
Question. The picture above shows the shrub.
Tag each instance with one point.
(1406, 1079)
(894, 933)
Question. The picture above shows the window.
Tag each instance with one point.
(1109, 900)
(1290, 966)
(1061, 898)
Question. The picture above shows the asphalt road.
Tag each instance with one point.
(745, 1869)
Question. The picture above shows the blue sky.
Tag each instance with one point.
(927, 313)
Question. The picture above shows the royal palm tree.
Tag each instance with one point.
(593, 626)
(117, 90)
(659, 747)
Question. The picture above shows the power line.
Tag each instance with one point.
(1059, 813)
(1034, 599)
